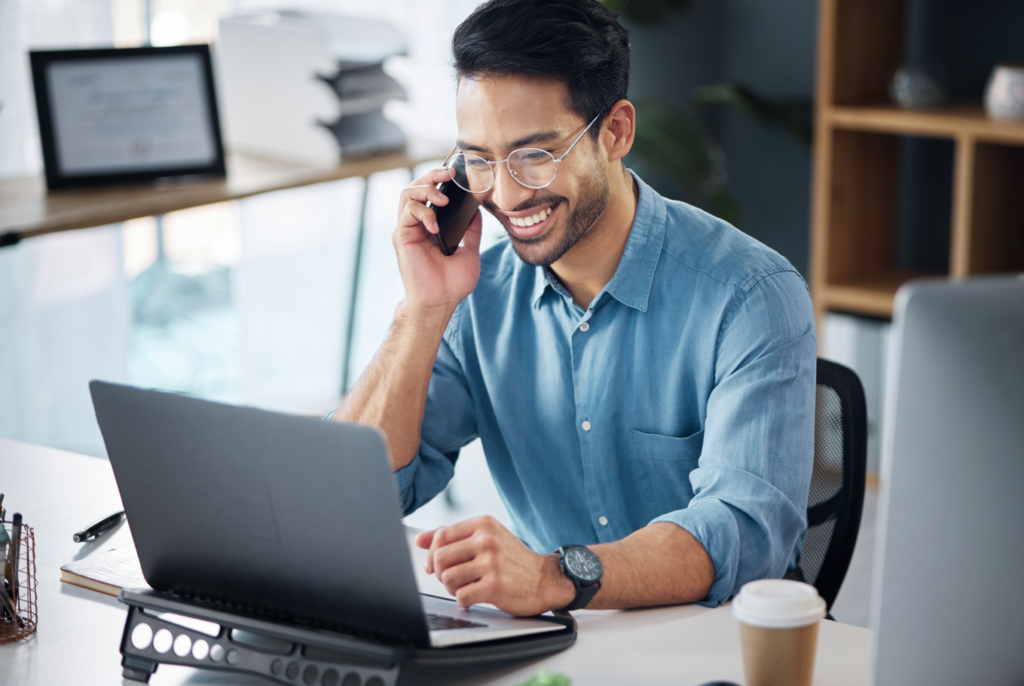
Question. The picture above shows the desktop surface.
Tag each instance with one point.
(80, 630)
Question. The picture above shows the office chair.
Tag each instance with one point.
(836, 497)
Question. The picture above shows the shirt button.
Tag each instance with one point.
(603, 520)
(585, 425)
(585, 326)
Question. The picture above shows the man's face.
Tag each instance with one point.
(497, 115)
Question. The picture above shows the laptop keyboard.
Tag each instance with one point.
(443, 622)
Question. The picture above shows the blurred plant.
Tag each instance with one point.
(646, 11)
(673, 141)
(791, 115)
(546, 678)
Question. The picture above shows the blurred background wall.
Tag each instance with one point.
(246, 301)
(768, 45)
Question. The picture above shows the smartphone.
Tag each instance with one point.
(453, 219)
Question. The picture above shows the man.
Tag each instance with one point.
(641, 374)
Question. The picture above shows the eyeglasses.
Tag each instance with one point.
(531, 167)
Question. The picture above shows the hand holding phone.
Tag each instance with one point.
(434, 275)
(453, 219)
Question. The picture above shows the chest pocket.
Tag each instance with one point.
(665, 463)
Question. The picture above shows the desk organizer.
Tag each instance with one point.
(26, 618)
(292, 654)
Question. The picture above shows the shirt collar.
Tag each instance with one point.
(543, 280)
(631, 283)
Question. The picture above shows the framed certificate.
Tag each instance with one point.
(126, 114)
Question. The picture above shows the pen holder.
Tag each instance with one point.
(24, 620)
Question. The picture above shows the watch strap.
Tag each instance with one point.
(584, 594)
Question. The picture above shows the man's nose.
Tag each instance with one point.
(508, 193)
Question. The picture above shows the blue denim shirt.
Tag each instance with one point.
(684, 393)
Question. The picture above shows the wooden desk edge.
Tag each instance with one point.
(46, 212)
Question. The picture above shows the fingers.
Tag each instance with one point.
(472, 238)
(465, 568)
(413, 211)
(424, 538)
(425, 188)
(432, 178)
(447, 535)
(415, 215)
(478, 591)
(457, 553)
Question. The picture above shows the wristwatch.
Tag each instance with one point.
(583, 567)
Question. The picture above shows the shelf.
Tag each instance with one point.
(872, 295)
(27, 209)
(951, 122)
(880, 200)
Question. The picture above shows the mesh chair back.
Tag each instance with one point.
(837, 484)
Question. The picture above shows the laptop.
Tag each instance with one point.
(277, 516)
(947, 602)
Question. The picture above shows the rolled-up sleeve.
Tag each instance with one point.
(751, 484)
(448, 424)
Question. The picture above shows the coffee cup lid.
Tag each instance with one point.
(778, 604)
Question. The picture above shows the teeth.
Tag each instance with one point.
(530, 221)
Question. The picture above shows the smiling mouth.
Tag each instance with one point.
(530, 226)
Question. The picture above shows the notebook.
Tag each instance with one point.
(106, 571)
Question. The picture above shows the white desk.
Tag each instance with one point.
(80, 630)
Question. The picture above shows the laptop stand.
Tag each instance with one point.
(292, 654)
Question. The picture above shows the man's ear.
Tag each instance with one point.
(618, 130)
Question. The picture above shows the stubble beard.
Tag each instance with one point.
(588, 209)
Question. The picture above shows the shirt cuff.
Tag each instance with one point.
(405, 477)
(715, 527)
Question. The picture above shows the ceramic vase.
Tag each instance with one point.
(1004, 95)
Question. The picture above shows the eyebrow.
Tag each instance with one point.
(532, 139)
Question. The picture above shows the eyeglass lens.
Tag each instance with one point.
(532, 167)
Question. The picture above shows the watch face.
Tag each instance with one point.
(583, 564)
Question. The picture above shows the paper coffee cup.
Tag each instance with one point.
(779, 628)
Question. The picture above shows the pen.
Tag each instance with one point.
(8, 606)
(4, 541)
(15, 553)
(95, 530)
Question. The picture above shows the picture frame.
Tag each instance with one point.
(119, 115)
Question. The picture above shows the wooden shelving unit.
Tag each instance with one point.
(856, 192)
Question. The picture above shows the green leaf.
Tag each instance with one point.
(546, 678)
(671, 140)
(792, 115)
(646, 11)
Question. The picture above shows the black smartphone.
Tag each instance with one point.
(453, 219)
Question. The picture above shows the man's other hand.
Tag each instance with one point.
(480, 561)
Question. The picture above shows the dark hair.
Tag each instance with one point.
(578, 42)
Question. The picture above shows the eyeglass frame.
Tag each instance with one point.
(492, 163)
